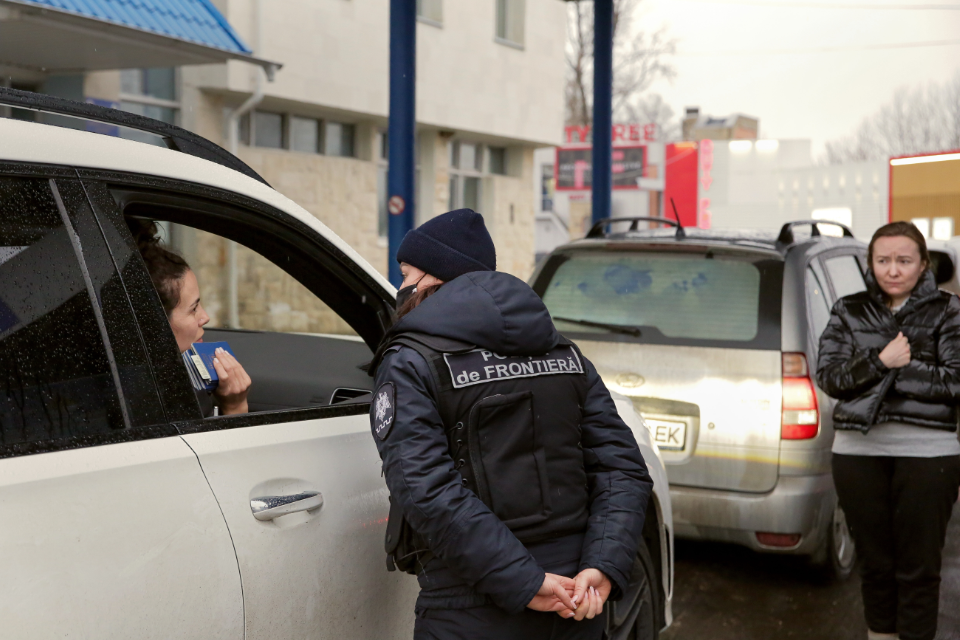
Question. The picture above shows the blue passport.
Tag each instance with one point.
(199, 362)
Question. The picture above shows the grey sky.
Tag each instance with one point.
(817, 95)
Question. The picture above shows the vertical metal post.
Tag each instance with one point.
(402, 126)
(602, 107)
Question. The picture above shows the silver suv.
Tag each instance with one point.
(713, 336)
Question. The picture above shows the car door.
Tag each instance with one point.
(110, 529)
(301, 489)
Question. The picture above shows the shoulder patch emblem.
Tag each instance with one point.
(382, 410)
(480, 366)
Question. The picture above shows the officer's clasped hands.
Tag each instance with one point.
(555, 594)
(591, 590)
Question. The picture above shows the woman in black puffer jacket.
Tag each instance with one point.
(891, 356)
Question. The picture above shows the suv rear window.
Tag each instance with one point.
(672, 298)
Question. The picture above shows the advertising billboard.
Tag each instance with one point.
(574, 167)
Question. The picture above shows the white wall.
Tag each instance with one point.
(336, 54)
(757, 189)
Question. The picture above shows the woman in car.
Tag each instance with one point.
(179, 293)
(891, 356)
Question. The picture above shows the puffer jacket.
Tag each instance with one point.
(923, 393)
(478, 558)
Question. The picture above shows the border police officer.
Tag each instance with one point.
(516, 489)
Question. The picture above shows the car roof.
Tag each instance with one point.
(744, 239)
(47, 144)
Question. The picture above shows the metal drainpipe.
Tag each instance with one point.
(233, 126)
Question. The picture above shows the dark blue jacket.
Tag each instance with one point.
(499, 312)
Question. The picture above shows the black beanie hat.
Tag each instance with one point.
(450, 245)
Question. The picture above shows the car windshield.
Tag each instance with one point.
(681, 296)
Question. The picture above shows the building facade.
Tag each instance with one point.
(490, 81)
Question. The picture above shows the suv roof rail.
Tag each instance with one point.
(596, 231)
(173, 136)
(786, 231)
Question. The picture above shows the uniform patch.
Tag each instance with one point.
(480, 366)
(383, 410)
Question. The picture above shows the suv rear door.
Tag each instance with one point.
(300, 489)
(705, 369)
(110, 529)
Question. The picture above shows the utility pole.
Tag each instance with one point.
(402, 128)
(602, 185)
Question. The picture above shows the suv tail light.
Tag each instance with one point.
(801, 415)
(782, 540)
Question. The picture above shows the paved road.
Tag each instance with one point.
(725, 592)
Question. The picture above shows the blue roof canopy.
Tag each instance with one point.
(82, 35)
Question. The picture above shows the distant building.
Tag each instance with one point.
(737, 126)
(925, 189)
(748, 184)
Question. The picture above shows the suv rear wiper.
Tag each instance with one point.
(616, 328)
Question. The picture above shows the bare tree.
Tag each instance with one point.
(639, 59)
(921, 120)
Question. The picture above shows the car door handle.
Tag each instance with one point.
(270, 507)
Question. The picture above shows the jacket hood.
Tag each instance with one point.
(925, 291)
(489, 309)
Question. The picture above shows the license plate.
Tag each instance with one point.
(669, 435)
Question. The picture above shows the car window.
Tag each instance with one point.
(305, 316)
(817, 302)
(267, 298)
(678, 296)
(56, 380)
(845, 274)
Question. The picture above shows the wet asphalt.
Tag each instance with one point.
(726, 592)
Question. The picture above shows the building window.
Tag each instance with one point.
(430, 11)
(304, 134)
(383, 166)
(268, 130)
(466, 167)
(152, 93)
(154, 83)
(338, 139)
(546, 188)
(498, 160)
(510, 14)
(382, 214)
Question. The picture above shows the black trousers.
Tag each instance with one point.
(897, 510)
(493, 623)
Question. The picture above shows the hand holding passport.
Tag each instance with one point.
(213, 368)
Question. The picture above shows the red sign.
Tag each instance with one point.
(396, 205)
(622, 133)
(681, 182)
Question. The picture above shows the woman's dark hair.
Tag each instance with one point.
(905, 229)
(165, 267)
(419, 296)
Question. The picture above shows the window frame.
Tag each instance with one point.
(458, 175)
(508, 12)
(822, 258)
(815, 269)
(82, 237)
(150, 101)
(177, 392)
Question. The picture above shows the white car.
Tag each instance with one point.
(129, 515)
